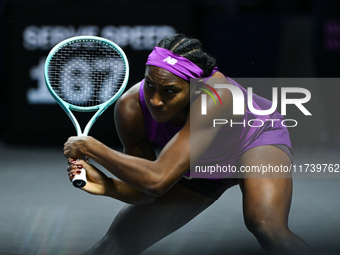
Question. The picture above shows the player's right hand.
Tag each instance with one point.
(97, 182)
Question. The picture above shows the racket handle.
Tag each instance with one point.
(80, 180)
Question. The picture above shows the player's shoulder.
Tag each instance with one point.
(219, 78)
(128, 111)
(218, 74)
(130, 99)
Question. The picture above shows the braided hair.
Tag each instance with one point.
(190, 49)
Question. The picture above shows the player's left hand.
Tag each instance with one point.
(74, 146)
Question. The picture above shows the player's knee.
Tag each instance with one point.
(265, 228)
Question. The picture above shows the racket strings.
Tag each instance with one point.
(86, 73)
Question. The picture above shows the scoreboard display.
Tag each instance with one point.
(34, 27)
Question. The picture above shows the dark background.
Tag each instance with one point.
(41, 212)
(249, 38)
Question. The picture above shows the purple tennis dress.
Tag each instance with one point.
(234, 141)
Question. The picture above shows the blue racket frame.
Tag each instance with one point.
(68, 108)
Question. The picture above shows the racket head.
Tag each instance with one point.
(86, 73)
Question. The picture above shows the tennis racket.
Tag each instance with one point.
(86, 74)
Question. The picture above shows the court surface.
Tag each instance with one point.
(41, 212)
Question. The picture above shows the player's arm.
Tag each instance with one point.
(156, 177)
(99, 183)
(130, 127)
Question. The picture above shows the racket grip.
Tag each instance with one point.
(80, 180)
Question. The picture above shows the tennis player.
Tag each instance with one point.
(160, 196)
